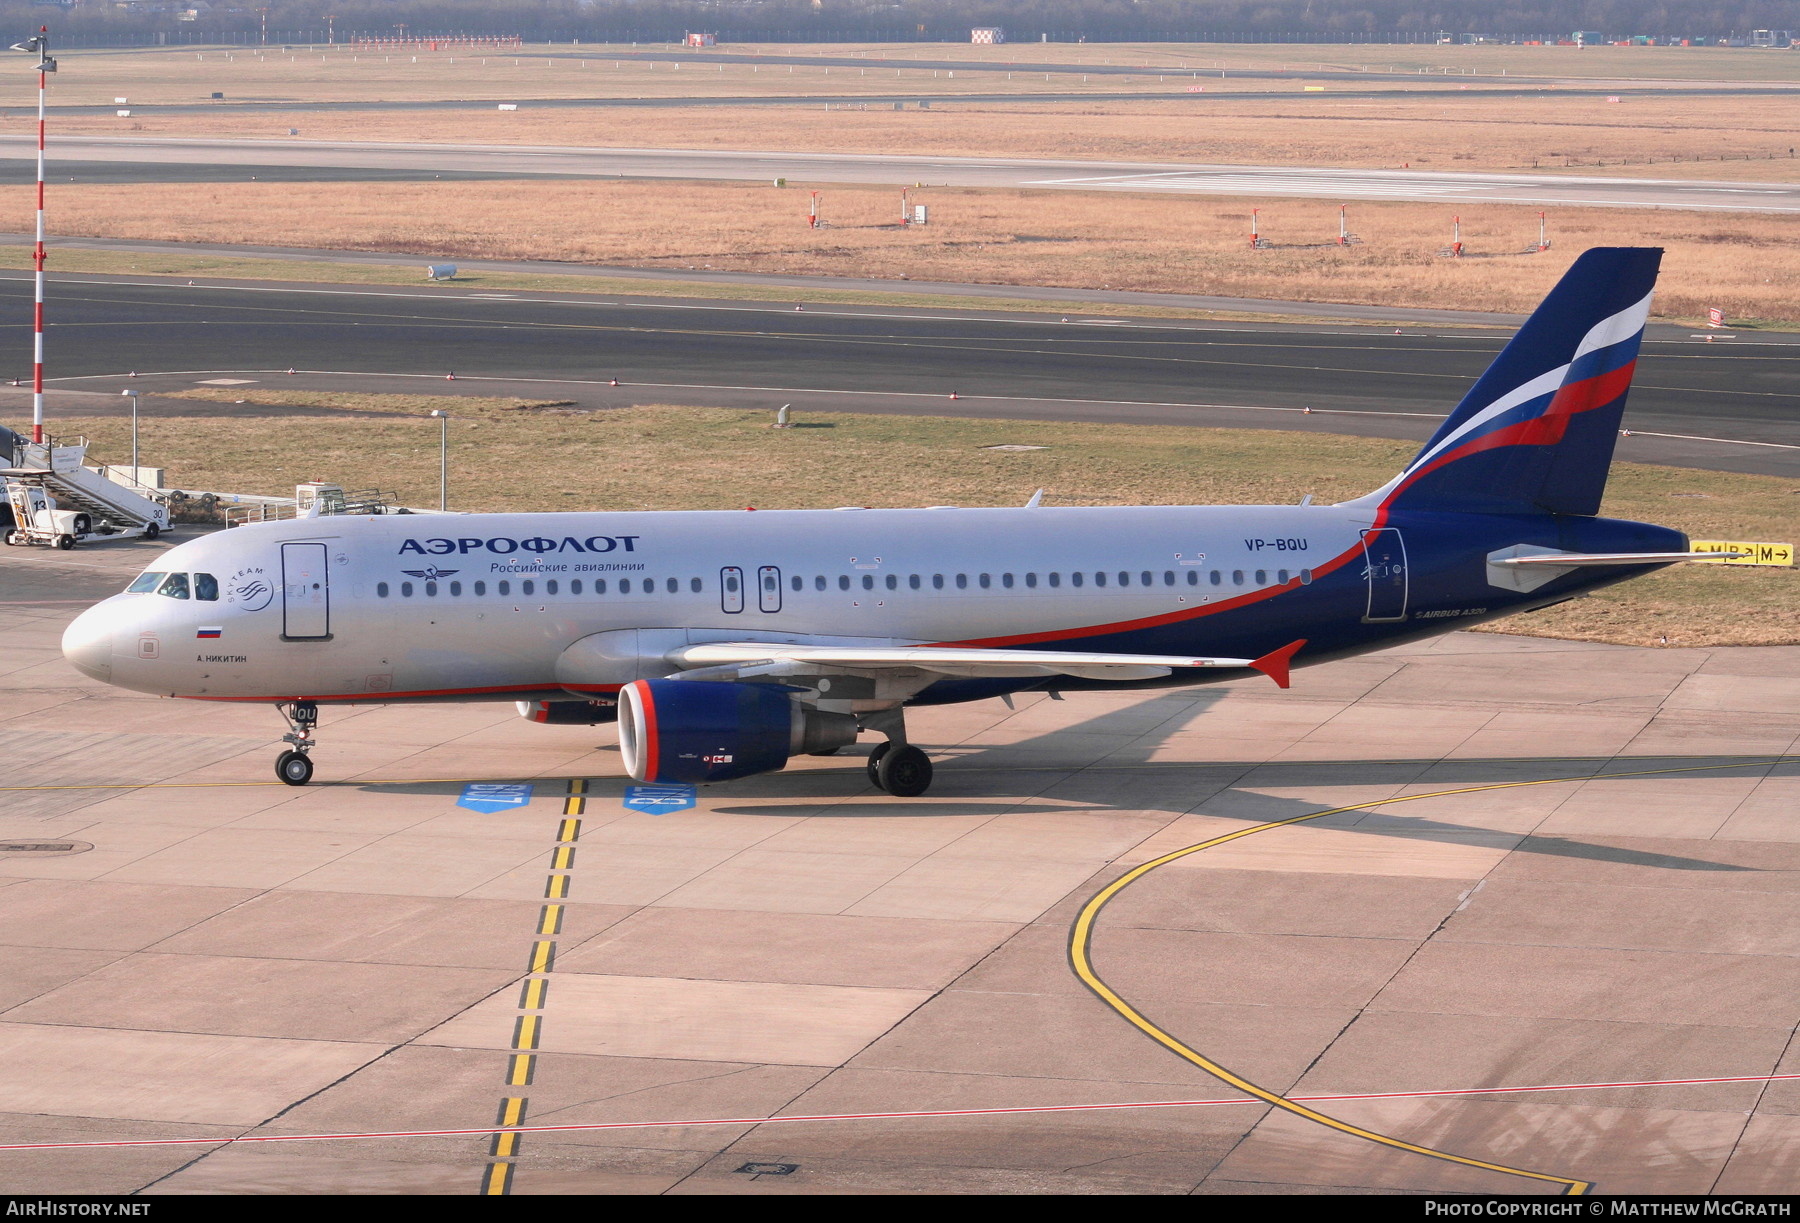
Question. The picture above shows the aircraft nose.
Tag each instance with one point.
(88, 643)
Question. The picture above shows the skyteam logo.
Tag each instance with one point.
(249, 589)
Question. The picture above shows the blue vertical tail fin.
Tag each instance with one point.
(1535, 434)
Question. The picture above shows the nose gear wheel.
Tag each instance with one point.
(294, 768)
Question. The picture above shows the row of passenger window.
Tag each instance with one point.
(1031, 581)
(914, 581)
(528, 587)
(204, 586)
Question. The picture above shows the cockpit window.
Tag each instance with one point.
(146, 584)
(175, 586)
(206, 586)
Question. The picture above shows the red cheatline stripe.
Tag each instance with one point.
(896, 1116)
(379, 698)
(1130, 626)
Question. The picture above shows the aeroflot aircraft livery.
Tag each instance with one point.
(724, 643)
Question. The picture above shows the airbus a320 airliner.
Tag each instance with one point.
(725, 643)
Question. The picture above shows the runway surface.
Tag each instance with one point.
(1035, 174)
(1522, 864)
(1720, 406)
(1174, 91)
(1177, 64)
(473, 271)
(17, 172)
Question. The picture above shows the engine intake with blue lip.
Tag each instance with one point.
(694, 731)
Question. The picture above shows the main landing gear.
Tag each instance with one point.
(899, 768)
(295, 766)
(896, 766)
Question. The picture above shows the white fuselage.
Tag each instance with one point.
(481, 606)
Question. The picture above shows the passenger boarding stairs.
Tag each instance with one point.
(58, 500)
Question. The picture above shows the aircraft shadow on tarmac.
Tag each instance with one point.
(1142, 727)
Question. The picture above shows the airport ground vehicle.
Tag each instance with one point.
(56, 500)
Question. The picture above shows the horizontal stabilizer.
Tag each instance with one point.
(1525, 567)
(1571, 560)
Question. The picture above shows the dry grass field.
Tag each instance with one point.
(1237, 119)
(327, 269)
(262, 75)
(1705, 137)
(692, 458)
(1747, 265)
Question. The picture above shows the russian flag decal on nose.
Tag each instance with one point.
(210, 631)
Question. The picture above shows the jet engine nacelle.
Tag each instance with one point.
(568, 713)
(693, 731)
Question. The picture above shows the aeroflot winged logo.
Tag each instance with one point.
(537, 544)
(430, 575)
(1538, 411)
(1536, 432)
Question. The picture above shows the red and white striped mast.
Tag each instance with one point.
(40, 43)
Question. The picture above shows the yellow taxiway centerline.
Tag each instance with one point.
(1081, 959)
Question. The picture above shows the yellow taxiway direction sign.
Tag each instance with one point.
(1759, 554)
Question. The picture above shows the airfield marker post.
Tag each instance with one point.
(40, 43)
(134, 431)
(1543, 234)
(1456, 237)
(443, 458)
(812, 216)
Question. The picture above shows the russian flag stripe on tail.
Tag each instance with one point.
(1535, 435)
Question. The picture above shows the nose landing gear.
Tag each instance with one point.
(295, 766)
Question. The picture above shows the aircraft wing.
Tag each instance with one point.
(732, 659)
